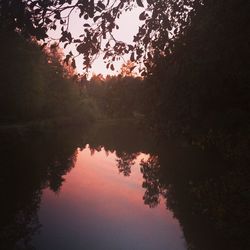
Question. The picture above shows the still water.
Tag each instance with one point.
(115, 188)
(99, 208)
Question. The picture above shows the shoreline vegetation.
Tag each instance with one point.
(64, 122)
(43, 93)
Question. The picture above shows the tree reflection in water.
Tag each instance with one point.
(150, 171)
(206, 194)
(125, 161)
(203, 192)
(28, 165)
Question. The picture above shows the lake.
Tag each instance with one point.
(109, 187)
(99, 207)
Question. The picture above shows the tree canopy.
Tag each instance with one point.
(163, 22)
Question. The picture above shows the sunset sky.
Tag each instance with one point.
(128, 27)
(128, 23)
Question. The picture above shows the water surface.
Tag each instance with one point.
(115, 187)
(99, 207)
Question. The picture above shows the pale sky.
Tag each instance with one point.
(128, 27)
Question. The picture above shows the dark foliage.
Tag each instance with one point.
(202, 88)
(117, 96)
(28, 165)
(34, 85)
(163, 20)
(207, 194)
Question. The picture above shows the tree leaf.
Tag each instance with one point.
(142, 16)
(132, 57)
(73, 64)
(101, 5)
(132, 68)
(139, 2)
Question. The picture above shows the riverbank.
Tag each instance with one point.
(10, 130)
(30, 127)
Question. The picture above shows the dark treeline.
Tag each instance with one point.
(116, 96)
(202, 87)
(201, 90)
(199, 86)
(35, 85)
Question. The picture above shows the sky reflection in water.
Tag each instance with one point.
(100, 208)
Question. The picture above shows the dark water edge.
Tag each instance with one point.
(206, 193)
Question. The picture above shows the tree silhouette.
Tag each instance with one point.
(150, 170)
(163, 20)
(125, 161)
